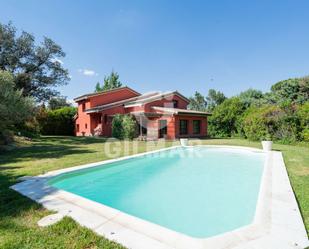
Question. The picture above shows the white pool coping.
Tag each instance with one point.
(277, 224)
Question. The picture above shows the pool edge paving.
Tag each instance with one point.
(271, 229)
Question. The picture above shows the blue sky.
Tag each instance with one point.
(172, 45)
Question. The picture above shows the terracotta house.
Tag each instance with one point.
(158, 114)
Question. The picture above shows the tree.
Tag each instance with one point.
(14, 107)
(251, 96)
(197, 102)
(214, 98)
(292, 90)
(110, 82)
(37, 69)
(57, 103)
(98, 88)
(225, 118)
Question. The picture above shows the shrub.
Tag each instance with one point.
(117, 129)
(58, 122)
(303, 115)
(123, 127)
(129, 127)
(270, 122)
(225, 118)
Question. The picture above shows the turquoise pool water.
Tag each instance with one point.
(198, 191)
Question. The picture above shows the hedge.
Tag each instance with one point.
(58, 122)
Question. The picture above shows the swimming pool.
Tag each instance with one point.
(200, 192)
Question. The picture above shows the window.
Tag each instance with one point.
(175, 103)
(86, 126)
(83, 107)
(196, 126)
(183, 127)
(163, 128)
(77, 128)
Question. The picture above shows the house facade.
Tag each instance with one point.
(158, 114)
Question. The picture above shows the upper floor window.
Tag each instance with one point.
(175, 103)
(183, 127)
(196, 126)
(84, 107)
(77, 127)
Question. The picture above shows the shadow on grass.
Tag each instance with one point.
(12, 203)
(70, 140)
(41, 150)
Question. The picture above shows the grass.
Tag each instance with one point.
(19, 215)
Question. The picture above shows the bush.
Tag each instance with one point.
(123, 127)
(225, 118)
(270, 122)
(117, 129)
(303, 115)
(129, 127)
(58, 122)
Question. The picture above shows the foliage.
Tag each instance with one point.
(251, 97)
(14, 108)
(57, 122)
(197, 102)
(57, 103)
(110, 82)
(292, 90)
(225, 118)
(129, 127)
(36, 68)
(214, 98)
(303, 115)
(123, 127)
(117, 129)
(272, 122)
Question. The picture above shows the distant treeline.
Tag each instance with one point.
(281, 114)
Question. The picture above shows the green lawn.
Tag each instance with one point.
(19, 215)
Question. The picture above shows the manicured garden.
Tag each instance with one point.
(19, 215)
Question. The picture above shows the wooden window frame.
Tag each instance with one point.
(181, 128)
(196, 132)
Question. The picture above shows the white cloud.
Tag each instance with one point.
(57, 60)
(87, 72)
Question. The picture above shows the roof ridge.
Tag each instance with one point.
(103, 92)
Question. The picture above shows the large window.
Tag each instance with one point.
(83, 107)
(196, 126)
(183, 127)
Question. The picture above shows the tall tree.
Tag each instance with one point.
(214, 98)
(98, 87)
(110, 82)
(37, 69)
(197, 102)
(14, 108)
(57, 103)
(251, 96)
(292, 90)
